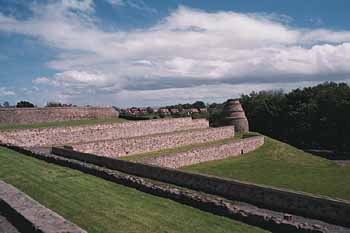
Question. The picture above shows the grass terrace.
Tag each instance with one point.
(62, 123)
(281, 165)
(100, 206)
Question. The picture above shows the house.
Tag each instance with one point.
(174, 110)
(163, 111)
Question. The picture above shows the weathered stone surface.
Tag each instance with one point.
(135, 145)
(22, 208)
(38, 115)
(234, 115)
(6, 226)
(206, 153)
(88, 133)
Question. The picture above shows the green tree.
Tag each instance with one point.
(198, 104)
(312, 117)
(24, 104)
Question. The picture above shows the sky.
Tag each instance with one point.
(160, 52)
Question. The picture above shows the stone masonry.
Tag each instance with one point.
(24, 210)
(88, 133)
(129, 146)
(52, 114)
(317, 207)
(206, 153)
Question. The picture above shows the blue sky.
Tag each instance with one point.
(138, 52)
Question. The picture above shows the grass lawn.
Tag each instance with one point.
(102, 206)
(281, 165)
(61, 123)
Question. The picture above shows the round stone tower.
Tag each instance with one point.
(233, 114)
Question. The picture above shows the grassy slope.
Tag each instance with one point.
(61, 123)
(101, 206)
(281, 165)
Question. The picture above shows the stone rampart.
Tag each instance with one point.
(52, 114)
(267, 219)
(322, 208)
(89, 133)
(155, 142)
(29, 216)
(206, 153)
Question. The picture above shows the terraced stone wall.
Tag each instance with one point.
(322, 208)
(88, 133)
(206, 153)
(135, 145)
(52, 114)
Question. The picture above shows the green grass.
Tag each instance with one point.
(281, 165)
(101, 206)
(61, 123)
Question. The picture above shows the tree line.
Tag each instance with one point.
(311, 118)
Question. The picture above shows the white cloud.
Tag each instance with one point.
(5, 92)
(82, 5)
(116, 2)
(41, 80)
(187, 49)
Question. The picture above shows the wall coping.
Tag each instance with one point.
(87, 126)
(54, 108)
(23, 210)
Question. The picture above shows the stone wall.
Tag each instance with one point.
(29, 216)
(52, 114)
(155, 142)
(322, 208)
(267, 219)
(206, 153)
(89, 133)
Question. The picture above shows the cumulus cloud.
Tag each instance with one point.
(5, 92)
(187, 49)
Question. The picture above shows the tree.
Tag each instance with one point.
(24, 104)
(149, 110)
(54, 104)
(313, 117)
(6, 104)
(198, 104)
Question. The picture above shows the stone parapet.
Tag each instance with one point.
(144, 144)
(87, 133)
(206, 153)
(30, 216)
(53, 114)
(273, 221)
(307, 205)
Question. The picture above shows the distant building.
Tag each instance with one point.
(163, 111)
(203, 110)
(174, 110)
